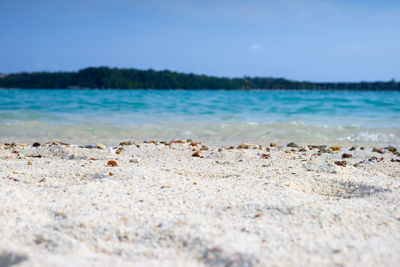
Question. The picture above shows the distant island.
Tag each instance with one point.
(114, 78)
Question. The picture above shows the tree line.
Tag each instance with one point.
(114, 78)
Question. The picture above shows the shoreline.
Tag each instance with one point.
(192, 204)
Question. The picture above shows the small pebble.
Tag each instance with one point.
(292, 145)
(205, 148)
(36, 144)
(193, 143)
(178, 142)
(112, 163)
(196, 154)
(244, 146)
(101, 146)
(346, 156)
(127, 143)
(341, 163)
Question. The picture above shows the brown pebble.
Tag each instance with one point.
(292, 145)
(197, 154)
(346, 156)
(193, 143)
(111, 174)
(231, 147)
(273, 145)
(335, 148)
(205, 148)
(112, 163)
(258, 215)
(119, 150)
(244, 146)
(288, 151)
(265, 156)
(341, 163)
(392, 149)
(377, 150)
(30, 162)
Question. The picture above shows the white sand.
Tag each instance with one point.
(229, 208)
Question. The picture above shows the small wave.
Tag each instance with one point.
(372, 137)
(212, 133)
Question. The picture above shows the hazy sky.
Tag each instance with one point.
(317, 40)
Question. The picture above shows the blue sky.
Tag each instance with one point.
(317, 40)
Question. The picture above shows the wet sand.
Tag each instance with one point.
(170, 205)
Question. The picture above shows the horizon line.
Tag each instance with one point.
(2, 75)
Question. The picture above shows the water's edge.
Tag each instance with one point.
(217, 117)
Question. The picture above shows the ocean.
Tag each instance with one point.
(217, 117)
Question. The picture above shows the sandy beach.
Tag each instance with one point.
(187, 204)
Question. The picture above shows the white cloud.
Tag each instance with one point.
(256, 47)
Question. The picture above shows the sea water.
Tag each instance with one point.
(211, 116)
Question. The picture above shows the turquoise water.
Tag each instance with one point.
(212, 116)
